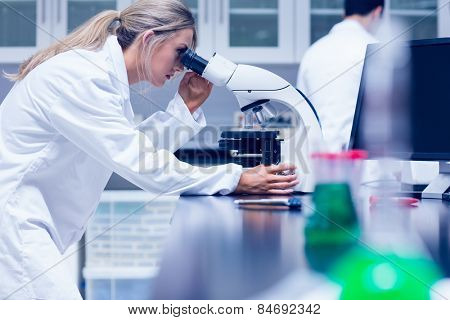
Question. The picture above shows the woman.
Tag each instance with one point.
(67, 124)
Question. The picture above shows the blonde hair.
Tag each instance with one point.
(163, 17)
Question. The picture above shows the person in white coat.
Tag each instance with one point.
(67, 124)
(330, 71)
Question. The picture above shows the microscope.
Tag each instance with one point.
(257, 143)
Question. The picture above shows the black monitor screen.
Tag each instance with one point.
(428, 106)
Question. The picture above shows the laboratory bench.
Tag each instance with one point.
(206, 247)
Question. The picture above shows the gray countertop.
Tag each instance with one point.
(211, 249)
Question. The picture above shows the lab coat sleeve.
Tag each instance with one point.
(90, 115)
(173, 128)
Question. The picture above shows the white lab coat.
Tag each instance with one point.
(63, 130)
(330, 74)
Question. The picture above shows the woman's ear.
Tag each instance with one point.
(147, 36)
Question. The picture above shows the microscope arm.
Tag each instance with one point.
(250, 84)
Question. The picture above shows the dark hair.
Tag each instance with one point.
(361, 7)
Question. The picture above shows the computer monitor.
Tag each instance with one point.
(428, 108)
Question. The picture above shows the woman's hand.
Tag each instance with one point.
(194, 90)
(264, 179)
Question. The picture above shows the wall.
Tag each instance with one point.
(219, 108)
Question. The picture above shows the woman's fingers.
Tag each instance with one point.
(266, 179)
(189, 75)
(284, 185)
(281, 168)
(280, 192)
(194, 90)
(277, 179)
(186, 78)
(198, 83)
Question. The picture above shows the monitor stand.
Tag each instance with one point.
(440, 184)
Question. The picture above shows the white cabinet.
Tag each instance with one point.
(246, 31)
(419, 17)
(24, 27)
(203, 14)
(443, 13)
(69, 14)
(30, 25)
(280, 31)
(323, 15)
(422, 18)
(255, 31)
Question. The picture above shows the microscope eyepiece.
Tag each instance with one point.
(193, 62)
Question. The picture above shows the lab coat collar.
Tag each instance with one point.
(116, 55)
(354, 26)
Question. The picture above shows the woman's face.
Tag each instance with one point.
(165, 61)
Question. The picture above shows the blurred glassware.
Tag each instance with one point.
(333, 227)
